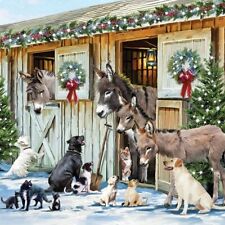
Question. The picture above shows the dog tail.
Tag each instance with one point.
(218, 207)
(3, 200)
(46, 199)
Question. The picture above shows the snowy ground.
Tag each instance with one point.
(82, 210)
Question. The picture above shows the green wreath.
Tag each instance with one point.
(69, 71)
(182, 61)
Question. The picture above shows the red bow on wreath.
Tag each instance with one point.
(186, 77)
(72, 85)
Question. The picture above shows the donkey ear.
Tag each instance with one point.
(100, 74)
(25, 76)
(149, 127)
(140, 131)
(134, 102)
(110, 72)
(122, 100)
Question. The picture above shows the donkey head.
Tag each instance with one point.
(109, 92)
(127, 115)
(36, 88)
(146, 144)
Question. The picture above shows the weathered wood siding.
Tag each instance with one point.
(80, 119)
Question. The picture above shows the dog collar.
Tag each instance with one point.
(74, 151)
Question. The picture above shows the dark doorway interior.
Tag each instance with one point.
(44, 60)
(137, 68)
(135, 62)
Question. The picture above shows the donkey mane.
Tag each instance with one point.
(124, 85)
(143, 113)
(167, 131)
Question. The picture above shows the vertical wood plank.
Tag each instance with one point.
(95, 118)
(82, 127)
(89, 133)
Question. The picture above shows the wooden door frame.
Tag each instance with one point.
(118, 70)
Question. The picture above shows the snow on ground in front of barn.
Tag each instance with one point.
(82, 209)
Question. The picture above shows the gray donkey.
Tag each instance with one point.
(131, 116)
(40, 87)
(190, 145)
(113, 89)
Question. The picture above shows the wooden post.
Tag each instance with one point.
(221, 47)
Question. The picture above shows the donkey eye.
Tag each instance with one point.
(40, 91)
(129, 118)
(108, 93)
(148, 149)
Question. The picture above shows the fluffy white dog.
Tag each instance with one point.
(109, 193)
(25, 158)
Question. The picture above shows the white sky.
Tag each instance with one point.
(18, 10)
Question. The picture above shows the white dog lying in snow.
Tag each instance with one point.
(25, 158)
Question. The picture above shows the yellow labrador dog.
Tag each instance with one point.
(189, 189)
(109, 193)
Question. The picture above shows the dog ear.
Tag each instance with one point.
(68, 141)
(179, 163)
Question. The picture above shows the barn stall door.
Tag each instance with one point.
(170, 115)
(168, 44)
(45, 133)
(81, 55)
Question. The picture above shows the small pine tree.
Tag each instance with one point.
(8, 131)
(207, 106)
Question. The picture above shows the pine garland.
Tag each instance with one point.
(200, 9)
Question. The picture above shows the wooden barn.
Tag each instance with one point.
(123, 33)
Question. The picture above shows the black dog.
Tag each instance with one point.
(68, 167)
(12, 200)
(28, 190)
(56, 202)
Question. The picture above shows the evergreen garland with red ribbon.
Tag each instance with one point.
(184, 66)
(71, 76)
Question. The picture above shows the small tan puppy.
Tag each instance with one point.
(189, 189)
(109, 193)
(132, 198)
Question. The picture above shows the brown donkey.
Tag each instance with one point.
(189, 145)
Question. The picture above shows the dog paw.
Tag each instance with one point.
(183, 213)
(167, 205)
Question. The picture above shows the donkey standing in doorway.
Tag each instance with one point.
(112, 90)
(190, 145)
(131, 116)
(40, 87)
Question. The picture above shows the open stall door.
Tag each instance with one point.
(171, 113)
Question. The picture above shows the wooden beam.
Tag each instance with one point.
(51, 46)
(141, 34)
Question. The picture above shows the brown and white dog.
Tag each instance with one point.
(132, 198)
(189, 189)
(109, 193)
